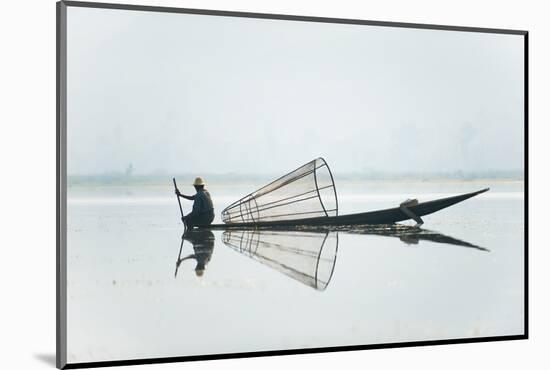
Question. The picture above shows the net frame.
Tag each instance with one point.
(249, 208)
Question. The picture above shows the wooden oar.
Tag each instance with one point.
(177, 196)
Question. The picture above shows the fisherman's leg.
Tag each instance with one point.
(411, 214)
(209, 219)
(190, 221)
(203, 219)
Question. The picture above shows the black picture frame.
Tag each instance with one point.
(61, 175)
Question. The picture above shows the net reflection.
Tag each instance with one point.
(307, 257)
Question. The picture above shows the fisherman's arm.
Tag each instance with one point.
(189, 197)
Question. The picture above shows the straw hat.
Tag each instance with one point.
(199, 181)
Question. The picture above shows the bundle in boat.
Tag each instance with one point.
(306, 192)
(308, 257)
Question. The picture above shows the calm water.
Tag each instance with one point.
(460, 277)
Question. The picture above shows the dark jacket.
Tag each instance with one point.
(202, 203)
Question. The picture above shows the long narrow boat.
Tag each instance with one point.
(384, 216)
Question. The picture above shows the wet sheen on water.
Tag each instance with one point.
(137, 289)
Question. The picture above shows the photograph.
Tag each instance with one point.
(240, 184)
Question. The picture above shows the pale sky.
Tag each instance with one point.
(178, 93)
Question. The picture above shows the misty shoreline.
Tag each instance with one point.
(228, 180)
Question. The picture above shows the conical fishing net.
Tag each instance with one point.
(306, 192)
(308, 257)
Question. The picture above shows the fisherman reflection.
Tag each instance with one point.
(203, 247)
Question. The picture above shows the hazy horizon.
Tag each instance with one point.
(176, 93)
(185, 179)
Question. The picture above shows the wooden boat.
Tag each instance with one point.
(384, 216)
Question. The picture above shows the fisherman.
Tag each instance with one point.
(404, 207)
(203, 209)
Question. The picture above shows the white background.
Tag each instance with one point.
(27, 326)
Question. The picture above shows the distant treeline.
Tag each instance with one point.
(183, 179)
(441, 175)
(125, 179)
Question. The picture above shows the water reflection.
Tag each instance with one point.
(408, 234)
(203, 247)
(307, 255)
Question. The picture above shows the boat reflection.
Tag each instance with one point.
(203, 246)
(407, 234)
(308, 257)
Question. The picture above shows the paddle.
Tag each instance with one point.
(177, 196)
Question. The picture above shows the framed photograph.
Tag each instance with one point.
(241, 184)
